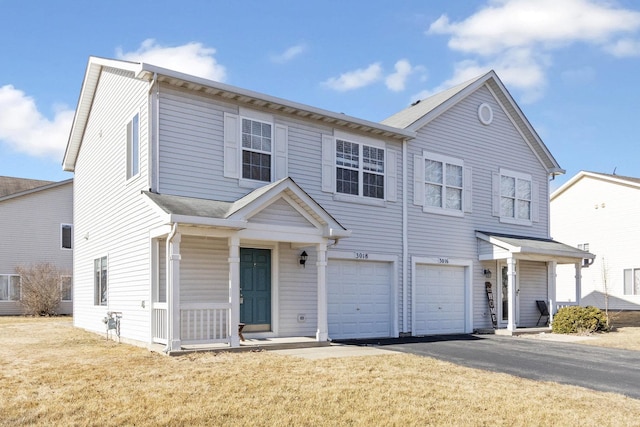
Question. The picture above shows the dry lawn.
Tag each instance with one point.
(53, 374)
(625, 333)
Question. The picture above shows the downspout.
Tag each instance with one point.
(169, 284)
(405, 241)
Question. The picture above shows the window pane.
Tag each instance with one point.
(454, 198)
(524, 189)
(14, 288)
(347, 154)
(628, 282)
(65, 288)
(373, 185)
(4, 288)
(507, 207)
(454, 176)
(433, 171)
(256, 166)
(636, 282)
(256, 135)
(524, 209)
(103, 282)
(372, 159)
(66, 236)
(507, 186)
(135, 146)
(433, 195)
(347, 181)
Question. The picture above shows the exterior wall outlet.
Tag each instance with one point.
(302, 318)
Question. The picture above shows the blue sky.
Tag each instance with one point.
(572, 65)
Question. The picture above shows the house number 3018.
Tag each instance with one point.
(444, 260)
(361, 255)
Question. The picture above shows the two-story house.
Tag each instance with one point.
(36, 228)
(598, 212)
(200, 206)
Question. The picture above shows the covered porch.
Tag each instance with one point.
(253, 269)
(525, 272)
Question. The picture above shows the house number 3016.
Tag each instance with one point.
(361, 255)
(443, 260)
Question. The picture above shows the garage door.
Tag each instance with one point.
(439, 299)
(359, 299)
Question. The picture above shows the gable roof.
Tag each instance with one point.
(25, 186)
(421, 113)
(150, 73)
(611, 178)
(235, 215)
(10, 185)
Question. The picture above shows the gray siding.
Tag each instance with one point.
(533, 286)
(30, 230)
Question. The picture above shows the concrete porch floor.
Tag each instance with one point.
(249, 344)
(517, 332)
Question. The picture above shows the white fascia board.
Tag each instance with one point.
(211, 222)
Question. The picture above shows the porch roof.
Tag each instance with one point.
(500, 246)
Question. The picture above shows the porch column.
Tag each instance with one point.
(234, 290)
(322, 334)
(551, 288)
(511, 294)
(578, 282)
(173, 294)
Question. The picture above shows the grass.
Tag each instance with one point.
(54, 374)
(625, 333)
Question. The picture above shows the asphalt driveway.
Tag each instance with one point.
(597, 368)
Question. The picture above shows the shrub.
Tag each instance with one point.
(574, 319)
(41, 290)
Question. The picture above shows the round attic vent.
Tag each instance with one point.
(485, 114)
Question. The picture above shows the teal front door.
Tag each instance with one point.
(255, 289)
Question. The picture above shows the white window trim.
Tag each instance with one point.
(515, 219)
(62, 237)
(96, 296)
(129, 148)
(9, 291)
(633, 287)
(361, 141)
(445, 160)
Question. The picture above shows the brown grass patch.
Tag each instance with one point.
(53, 374)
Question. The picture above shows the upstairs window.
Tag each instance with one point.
(65, 236)
(100, 281)
(66, 287)
(515, 197)
(133, 147)
(9, 287)
(360, 169)
(256, 150)
(442, 184)
(632, 281)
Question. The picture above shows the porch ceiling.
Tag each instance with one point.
(532, 248)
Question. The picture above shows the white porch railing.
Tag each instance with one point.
(200, 323)
(160, 326)
(204, 323)
(561, 304)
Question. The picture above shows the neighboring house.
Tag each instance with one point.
(200, 206)
(36, 227)
(599, 212)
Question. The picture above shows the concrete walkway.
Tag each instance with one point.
(333, 351)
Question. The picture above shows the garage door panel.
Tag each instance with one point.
(359, 299)
(439, 299)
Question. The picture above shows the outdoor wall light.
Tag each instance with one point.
(303, 258)
(487, 273)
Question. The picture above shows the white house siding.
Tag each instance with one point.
(30, 230)
(191, 164)
(532, 278)
(281, 213)
(458, 133)
(111, 218)
(604, 215)
(204, 270)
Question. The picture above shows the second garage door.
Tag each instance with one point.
(359, 299)
(439, 299)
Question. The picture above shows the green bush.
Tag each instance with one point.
(574, 319)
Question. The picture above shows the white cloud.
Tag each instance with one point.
(518, 37)
(396, 81)
(24, 129)
(355, 79)
(191, 58)
(289, 54)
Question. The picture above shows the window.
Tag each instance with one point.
(66, 287)
(359, 169)
(442, 184)
(583, 246)
(256, 150)
(65, 236)
(133, 147)
(9, 287)
(100, 281)
(632, 281)
(515, 197)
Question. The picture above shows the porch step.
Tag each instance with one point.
(248, 345)
(523, 331)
